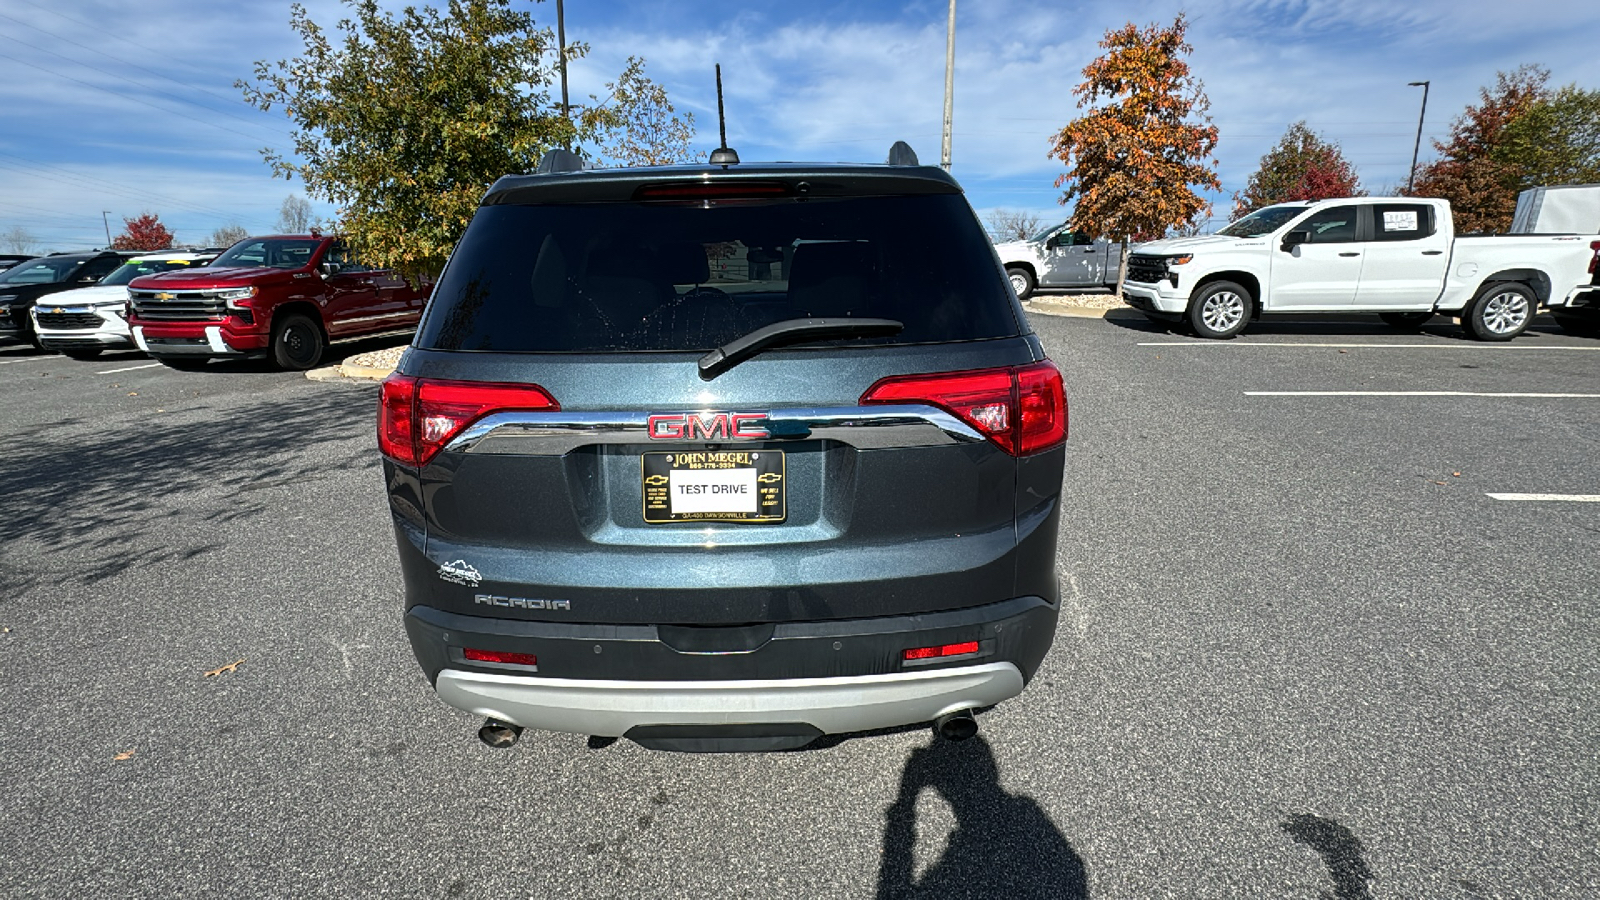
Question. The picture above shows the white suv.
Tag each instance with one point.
(83, 322)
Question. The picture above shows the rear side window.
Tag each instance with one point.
(636, 277)
(1401, 221)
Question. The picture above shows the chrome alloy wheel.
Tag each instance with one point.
(1223, 311)
(1019, 283)
(1506, 312)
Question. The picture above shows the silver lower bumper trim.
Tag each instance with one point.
(832, 705)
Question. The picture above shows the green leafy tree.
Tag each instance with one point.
(1302, 166)
(1474, 172)
(1145, 142)
(637, 125)
(1556, 141)
(403, 120)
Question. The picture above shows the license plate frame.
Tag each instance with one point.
(770, 493)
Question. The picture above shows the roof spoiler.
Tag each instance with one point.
(901, 154)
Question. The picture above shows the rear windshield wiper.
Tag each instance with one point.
(791, 331)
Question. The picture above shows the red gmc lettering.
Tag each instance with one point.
(707, 426)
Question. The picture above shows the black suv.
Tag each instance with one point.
(725, 458)
(24, 283)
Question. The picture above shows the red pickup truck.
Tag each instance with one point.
(285, 297)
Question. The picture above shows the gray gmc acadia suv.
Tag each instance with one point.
(725, 458)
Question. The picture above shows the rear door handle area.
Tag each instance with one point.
(1432, 252)
(1350, 254)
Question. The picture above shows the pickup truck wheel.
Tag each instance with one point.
(183, 363)
(1021, 282)
(1408, 321)
(1219, 310)
(297, 343)
(1500, 312)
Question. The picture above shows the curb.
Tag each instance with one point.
(1077, 312)
(347, 372)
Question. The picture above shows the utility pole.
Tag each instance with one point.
(107, 223)
(949, 83)
(561, 35)
(1417, 147)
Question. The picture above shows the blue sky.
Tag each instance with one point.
(126, 108)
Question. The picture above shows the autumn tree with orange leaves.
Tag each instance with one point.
(1473, 172)
(1135, 157)
(143, 233)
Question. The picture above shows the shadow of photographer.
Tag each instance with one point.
(1003, 845)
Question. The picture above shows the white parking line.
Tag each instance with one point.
(7, 362)
(1568, 498)
(1417, 394)
(129, 368)
(1453, 345)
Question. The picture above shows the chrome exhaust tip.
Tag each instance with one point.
(956, 726)
(498, 734)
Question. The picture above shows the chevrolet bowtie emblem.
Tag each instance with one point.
(165, 296)
(655, 480)
(770, 477)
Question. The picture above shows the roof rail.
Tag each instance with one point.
(901, 154)
(558, 161)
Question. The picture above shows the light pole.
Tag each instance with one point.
(107, 223)
(949, 83)
(1411, 178)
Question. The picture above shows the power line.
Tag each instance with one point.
(184, 85)
(107, 90)
(56, 173)
(170, 96)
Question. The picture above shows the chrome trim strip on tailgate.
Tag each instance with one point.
(862, 427)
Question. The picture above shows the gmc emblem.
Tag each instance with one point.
(707, 426)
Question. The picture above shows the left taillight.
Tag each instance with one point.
(1022, 409)
(418, 416)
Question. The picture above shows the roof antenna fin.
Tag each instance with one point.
(901, 154)
(724, 155)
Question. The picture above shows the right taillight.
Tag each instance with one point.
(1594, 259)
(1022, 409)
(418, 416)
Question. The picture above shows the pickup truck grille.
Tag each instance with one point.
(1146, 269)
(178, 306)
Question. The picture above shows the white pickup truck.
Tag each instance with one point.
(1394, 256)
(1058, 258)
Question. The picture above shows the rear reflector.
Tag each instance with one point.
(961, 649)
(1022, 409)
(1594, 260)
(418, 416)
(506, 657)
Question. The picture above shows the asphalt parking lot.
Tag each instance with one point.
(1303, 653)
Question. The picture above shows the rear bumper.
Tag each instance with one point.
(828, 705)
(831, 676)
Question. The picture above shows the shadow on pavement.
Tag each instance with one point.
(1341, 852)
(1333, 325)
(87, 504)
(1003, 845)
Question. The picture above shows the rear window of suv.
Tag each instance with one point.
(640, 276)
